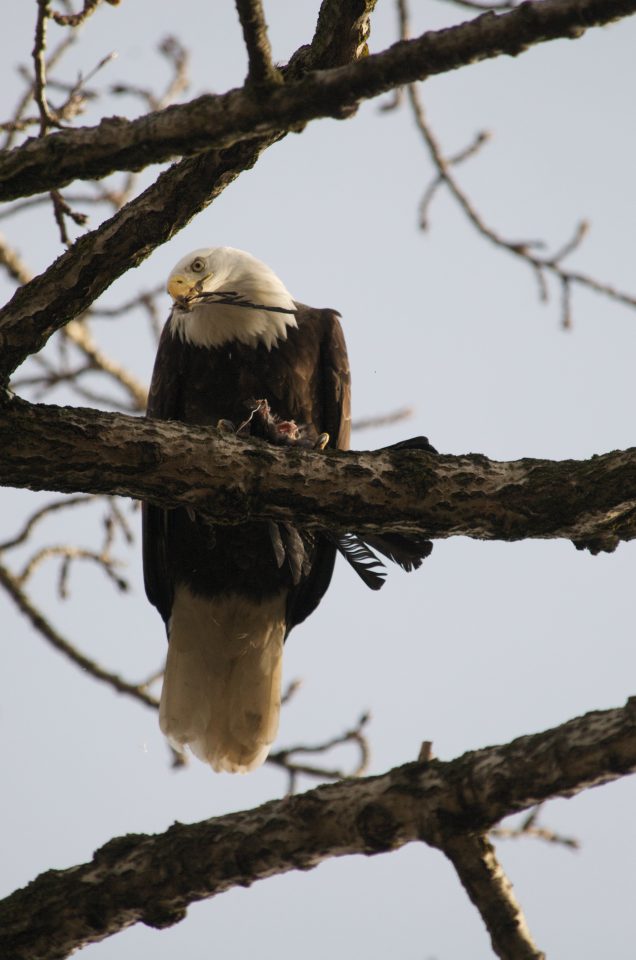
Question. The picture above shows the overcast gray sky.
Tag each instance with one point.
(486, 641)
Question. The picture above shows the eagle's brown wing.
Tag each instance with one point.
(334, 388)
(164, 403)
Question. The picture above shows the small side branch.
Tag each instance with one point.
(46, 630)
(261, 72)
(39, 67)
(77, 19)
(287, 758)
(529, 827)
(551, 265)
(490, 890)
(497, 6)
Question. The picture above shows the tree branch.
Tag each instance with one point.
(68, 449)
(262, 72)
(540, 264)
(153, 879)
(96, 259)
(220, 121)
(342, 30)
(77, 19)
(485, 882)
(12, 585)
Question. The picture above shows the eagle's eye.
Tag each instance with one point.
(197, 265)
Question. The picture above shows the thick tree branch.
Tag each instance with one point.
(342, 30)
(220, 121)
(80, 275)
(153, 879)
(592, 502)
(262, 72)
(485, 882)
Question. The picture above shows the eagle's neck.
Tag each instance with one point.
(213, 325)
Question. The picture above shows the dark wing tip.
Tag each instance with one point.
(369, 568)
(407, 551)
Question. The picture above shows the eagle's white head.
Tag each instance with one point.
(222, 295)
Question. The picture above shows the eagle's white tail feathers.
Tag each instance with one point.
(221, 689)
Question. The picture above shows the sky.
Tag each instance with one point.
(487, 641)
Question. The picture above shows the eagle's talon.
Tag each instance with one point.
(322, 441)
(225, 426)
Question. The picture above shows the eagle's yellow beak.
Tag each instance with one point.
(179, 287)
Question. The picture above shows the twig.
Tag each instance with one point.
(292, 689)
(383, 420)
(49, 633)
(490, 890)
(76, 19)
(41, 514)
(480, 139)
(61, 210)
(521, 249)
(68, 554)
(478, 5)
(285, 758)
(77, 95)
(141, 299)
(13, 125)
(77, 332)
(261, 71)
(178, 56)
(528, 828)
(13, 263)
(39, 66)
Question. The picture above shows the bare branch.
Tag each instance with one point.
(529, 828)
(341, 36)
(61, 210)
(81, 274)
(13, 263)
(221, 121)
(13, 126)
(383, 419)
(262, 72)
(39, 66)
(591, 502)
(495, 6)
(286, 758)
(480, 139)
(41, 514)
(79, 334)
(46, 630)
(76, 19)
(178, 57)
(132, 879)
(485, 882)
(520, 249)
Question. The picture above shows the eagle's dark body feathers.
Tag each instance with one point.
(305, 379)
(230, 594)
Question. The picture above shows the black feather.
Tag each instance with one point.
(407, 551)
(295, 551)
(362, 559)
(231, 298)
(277, 543)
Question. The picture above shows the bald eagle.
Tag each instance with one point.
(237, 347)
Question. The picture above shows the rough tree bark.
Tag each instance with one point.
(248, 121)
(153, 879)
(593, 503)
(69, 449)
(216, 122)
